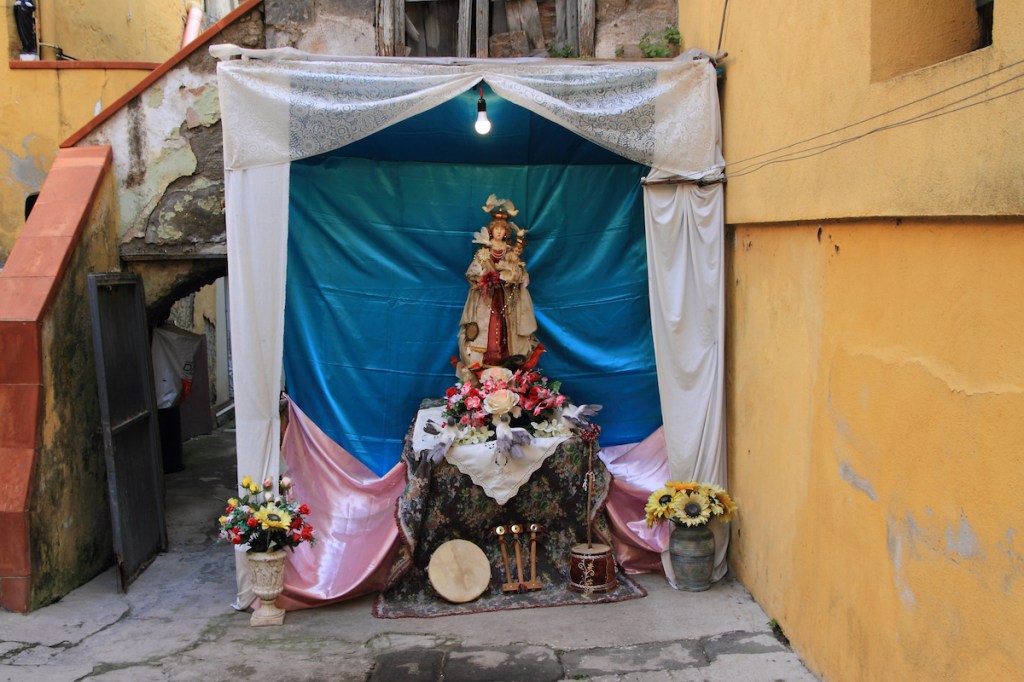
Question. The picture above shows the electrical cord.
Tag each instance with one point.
(824, 148)
(744, 170)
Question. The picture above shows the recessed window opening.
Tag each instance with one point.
(984, 8)
(911, 34)
(30, 202)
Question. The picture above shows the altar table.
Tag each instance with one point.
(439, 504)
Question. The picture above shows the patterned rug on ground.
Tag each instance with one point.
(424, 602)
(440, 504)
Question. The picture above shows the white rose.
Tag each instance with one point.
(501, 401)
(496, 374)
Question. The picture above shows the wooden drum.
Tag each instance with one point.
(592, 568)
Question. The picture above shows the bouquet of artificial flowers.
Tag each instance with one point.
(265, 521)
(688, 503)
(531, 400)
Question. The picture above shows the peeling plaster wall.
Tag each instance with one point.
(169, 166)
(70, 513)
(875, 394)
(159, 139)
(41, 107)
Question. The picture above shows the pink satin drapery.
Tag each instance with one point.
(353, 512)
(636, 470)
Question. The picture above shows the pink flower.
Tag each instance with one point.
(473, 402)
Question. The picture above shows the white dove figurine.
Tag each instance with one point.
(576, 416)
(445, 437)
(508, 439)
(482, 237)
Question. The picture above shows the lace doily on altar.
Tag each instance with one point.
(500, 481)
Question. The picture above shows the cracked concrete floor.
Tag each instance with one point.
(175, 623)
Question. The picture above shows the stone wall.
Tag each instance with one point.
(70, 512)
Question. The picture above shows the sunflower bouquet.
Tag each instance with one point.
(688, 503)
(263, 520)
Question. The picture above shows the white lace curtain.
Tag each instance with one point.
(281, 105)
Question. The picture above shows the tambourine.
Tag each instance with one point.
(459, 571)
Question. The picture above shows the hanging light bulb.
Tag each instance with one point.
(482, 125)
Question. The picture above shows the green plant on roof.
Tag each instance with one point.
(561, 49)
(664, 43)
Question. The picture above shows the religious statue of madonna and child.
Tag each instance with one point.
(501, 395)
(498, 324)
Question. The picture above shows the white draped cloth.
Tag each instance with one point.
(278, 106)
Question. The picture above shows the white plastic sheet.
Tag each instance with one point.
(174, 360)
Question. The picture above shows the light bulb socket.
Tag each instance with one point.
(481, 105)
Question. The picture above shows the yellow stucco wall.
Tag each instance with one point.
(875, 387)
(876, 391)
(42, 107)
(119, 30)
(801, 71)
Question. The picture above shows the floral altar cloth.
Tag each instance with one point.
(440, 503)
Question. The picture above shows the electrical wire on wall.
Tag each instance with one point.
(800, 150)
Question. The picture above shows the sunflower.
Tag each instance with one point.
(728, 504)
(683, 486)
(272, 516)
(659, 505)
(691, 509)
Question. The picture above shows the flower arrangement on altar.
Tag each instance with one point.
(531, 400)
(688, 503)
(266, 521)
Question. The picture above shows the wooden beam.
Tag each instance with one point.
(386, 28)
(572, 24)
(482, 27)
(465, 25)
(400, 41)
(561, 21)
(499, 23)
(586, 19)
(523, 15)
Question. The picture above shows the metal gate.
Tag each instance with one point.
(129, 419)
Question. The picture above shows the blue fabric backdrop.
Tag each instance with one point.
(380, 235)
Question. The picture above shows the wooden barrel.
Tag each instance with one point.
(459, 571)
(592, 568)
(692, 551)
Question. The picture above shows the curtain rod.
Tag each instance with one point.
(701, 182)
